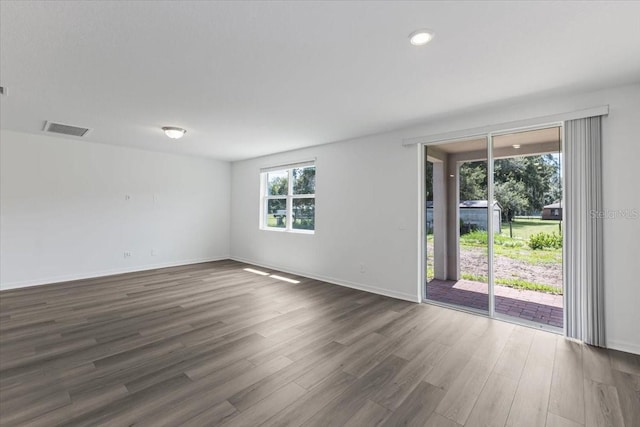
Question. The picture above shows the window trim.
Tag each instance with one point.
(289, 197)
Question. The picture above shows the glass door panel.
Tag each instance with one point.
(456, 222)
(527, 246)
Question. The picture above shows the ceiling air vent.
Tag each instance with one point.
(65, 129)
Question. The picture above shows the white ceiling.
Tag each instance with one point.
(247, 79)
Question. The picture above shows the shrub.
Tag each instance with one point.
(545, 240)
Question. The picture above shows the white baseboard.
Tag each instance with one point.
(103, 273)
(112, 272)
(332, 280)
(627, 347)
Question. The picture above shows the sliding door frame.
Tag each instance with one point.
(422, 151)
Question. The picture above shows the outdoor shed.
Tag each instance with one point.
(473, 214)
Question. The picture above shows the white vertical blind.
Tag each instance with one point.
(584, 287)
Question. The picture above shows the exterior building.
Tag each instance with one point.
(552, 211)
(473, 215)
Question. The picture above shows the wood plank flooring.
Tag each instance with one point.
(214, 345)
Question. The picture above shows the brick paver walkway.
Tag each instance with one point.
(530, 305)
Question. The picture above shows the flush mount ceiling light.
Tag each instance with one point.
(174, 132)
(516, 146)
(421, 37)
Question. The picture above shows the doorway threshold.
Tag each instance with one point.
(500, 317)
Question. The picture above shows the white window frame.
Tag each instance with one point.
(289, 197)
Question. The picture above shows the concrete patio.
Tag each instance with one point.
(534, 306)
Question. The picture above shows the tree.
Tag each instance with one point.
(522, 184)
(555, 181)
(428, 187)
(538, 174)
(278, 185)
(473, 181)
(511, 196)
(304, 180)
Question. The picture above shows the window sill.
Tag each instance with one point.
(283, 230)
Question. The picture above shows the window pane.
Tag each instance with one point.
(304, 214)
(277, 183)
(276, 213)
(304, 180)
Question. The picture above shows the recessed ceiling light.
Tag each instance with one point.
(174, 132)
(421, 37)
(516, 146)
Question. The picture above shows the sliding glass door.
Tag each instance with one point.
(493, 225)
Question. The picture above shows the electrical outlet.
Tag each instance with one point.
(127, 254)
(127, 197)
(362, 268)
(154, 252)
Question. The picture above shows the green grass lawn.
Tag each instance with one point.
(523, 228)
(515, 248)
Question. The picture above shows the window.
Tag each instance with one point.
(289, 199)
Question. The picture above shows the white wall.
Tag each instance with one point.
(367, 206)
(365, 214)
(64, 214)
(621, 180)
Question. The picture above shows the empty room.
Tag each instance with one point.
(319, 213)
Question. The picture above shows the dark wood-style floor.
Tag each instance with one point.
(213, 344)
